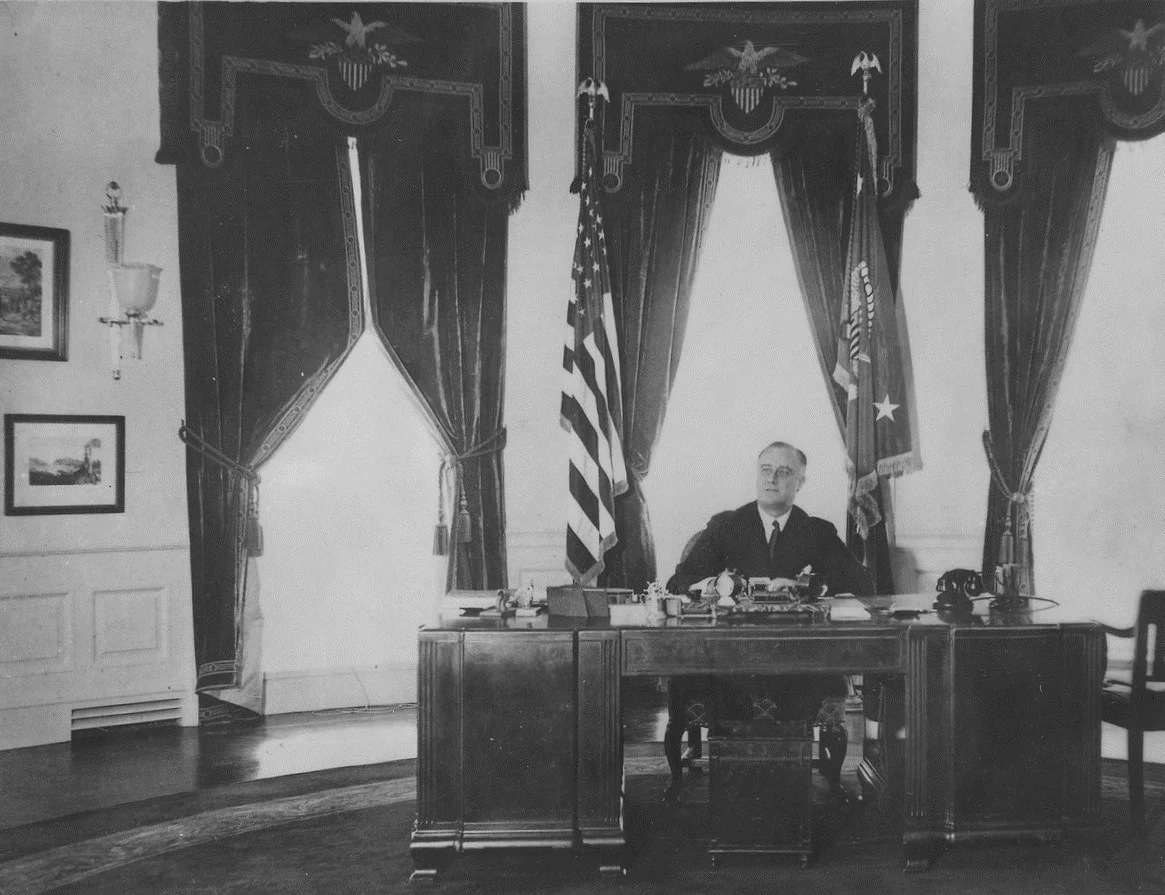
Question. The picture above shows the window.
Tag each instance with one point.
(748, 374)
(1099, 534)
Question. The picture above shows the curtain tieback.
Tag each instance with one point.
(252, 530)
(451, 464)
(1020, 508)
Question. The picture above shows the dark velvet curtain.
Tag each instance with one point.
(655, 227)
(1039, 247)
(271, 306)
(437, 265)
(814, 174)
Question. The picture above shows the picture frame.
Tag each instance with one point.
(63, 464)
(34, 293)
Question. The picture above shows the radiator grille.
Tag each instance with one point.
(119, 714)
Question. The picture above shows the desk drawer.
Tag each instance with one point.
(787, 652)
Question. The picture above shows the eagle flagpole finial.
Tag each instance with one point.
(592, 89)
(865, 63)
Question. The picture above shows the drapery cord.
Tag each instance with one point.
(252, 531)
(866, 117)
(196, 443)
(1019, 503)
(451, 464)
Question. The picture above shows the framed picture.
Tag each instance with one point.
(63, 464)
(34, 293)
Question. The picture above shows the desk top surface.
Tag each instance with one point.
(896, 612)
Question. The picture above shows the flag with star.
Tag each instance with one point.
(591, 395)
(873, 352)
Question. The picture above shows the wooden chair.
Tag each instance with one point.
(1132, 704)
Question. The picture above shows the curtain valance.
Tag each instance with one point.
(361, 64)
(751, 75)
(1105, 58)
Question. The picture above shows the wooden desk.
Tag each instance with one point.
(520, 735)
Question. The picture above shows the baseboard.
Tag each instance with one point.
(318, 689)
(39, 725)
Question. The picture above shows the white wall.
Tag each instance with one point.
(94, 608)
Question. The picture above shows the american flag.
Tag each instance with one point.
(873, 352)
(591, 395)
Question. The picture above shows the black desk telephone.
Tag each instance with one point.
(957, 587)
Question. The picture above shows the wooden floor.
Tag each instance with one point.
(139, 813)
(116, 768)
(44, 782)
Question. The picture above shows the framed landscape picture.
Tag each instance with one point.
(34, 292)
(63, 464)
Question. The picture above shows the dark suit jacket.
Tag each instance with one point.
(736, 540)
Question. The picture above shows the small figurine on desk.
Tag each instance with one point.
(521, 603)
(524, 600)
(810, 588)
(654, 599)
(727, 587)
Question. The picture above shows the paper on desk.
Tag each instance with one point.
(847, 610)
(471, 599)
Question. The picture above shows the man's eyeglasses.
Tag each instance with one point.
(780, 473)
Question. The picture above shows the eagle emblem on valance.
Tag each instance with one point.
(1135, 55)
(748, 71)
(362, 50)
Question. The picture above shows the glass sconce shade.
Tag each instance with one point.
(135, 286)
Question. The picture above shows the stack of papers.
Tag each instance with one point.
(845, 609)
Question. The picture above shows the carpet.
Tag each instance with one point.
(347, 831)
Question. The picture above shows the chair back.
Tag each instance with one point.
(695, 539)
(1149, 645)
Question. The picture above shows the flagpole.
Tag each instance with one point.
(591, 411)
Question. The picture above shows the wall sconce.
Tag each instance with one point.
(133, 288)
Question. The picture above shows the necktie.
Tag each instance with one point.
(776, 533)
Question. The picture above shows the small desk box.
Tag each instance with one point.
(760, 788)
(583, 602)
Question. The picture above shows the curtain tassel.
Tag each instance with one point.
(464, 524)
(1007, 542)
(253, 539)
(441, 530)
(253, 532)
(441, 539)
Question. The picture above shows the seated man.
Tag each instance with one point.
(767, 538)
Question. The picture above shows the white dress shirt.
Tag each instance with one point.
(768, 520)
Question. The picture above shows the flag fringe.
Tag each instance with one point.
(892, 467)
(579, 578)
(900, 465)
